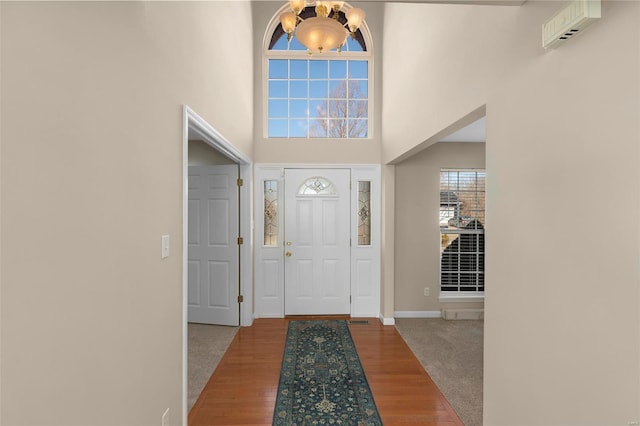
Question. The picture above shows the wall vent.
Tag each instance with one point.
(569, 22)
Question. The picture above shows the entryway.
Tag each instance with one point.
(216, 223)
(317, 240)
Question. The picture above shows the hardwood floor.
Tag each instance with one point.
(242, 390)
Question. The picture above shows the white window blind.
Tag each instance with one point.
(462, 220)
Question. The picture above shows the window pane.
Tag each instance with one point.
(337, 108)
(358, 109)
(298, 109)
(353, 45)
(278, 89)
(278, 68)
(270, 213)
(319, 88)
(298, 89)
(318, 108)
(337, 129)
(298, 128)
(318, 69)
(358, 128)
(358, 69)
(337, 69)
(281, 44)
(278, 128)
(318, 128)
(294, 44)
(364, 213)
(358, 89)
(317, 185)
(298, 68)
(278, 108)
(338, 89)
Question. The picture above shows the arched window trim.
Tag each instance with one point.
(367, 55)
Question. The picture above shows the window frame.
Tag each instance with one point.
(268, 54)
(460, 296)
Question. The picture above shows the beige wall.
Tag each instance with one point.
(417, 230)
(432, 80)
(92, 97)
(561, 308)
(203, 154)
(318, 150)
(387, 249)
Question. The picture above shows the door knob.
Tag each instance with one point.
(288, 254)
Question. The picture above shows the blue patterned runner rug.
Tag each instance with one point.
(321, 379)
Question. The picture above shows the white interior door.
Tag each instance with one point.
(213, 260)
(317, 241)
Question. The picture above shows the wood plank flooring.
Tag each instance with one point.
(242, 390)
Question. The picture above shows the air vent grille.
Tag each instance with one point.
(569, 22)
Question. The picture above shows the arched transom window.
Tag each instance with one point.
(319, 95)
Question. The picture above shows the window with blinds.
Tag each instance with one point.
(462, 210)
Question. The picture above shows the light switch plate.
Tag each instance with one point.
(165, 246)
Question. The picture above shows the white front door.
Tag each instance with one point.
(213, 259)
(317, 241)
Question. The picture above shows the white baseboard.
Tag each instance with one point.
(387, 321)
(463, 314)
(417, 314)
(256, 316)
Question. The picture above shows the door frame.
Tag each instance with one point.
(192, 122)
(365, 260)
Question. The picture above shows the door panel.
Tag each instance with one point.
(213, 258)
(317, 236)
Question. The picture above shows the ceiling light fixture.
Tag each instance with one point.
(324, 31)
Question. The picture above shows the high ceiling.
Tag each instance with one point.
(474, 132)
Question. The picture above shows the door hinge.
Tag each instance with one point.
(240, 182)
(349, 299)
(240, 298)
(240, 241)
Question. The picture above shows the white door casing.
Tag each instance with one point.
(317, 241)
(213, 255)
(269, 256)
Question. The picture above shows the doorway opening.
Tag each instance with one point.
(224, 200)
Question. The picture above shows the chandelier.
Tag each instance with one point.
(321, 33)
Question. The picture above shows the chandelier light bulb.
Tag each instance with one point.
(296, 6)
(288, 21)
(322, 9)
(355, 17)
